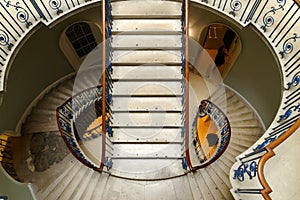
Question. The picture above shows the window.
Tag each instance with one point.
(82, 38)
(78, 40)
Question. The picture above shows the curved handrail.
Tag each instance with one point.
(217, 115)
(270, 153)
(65, 115)
(106, 72)
(185, 72)
(103, 79)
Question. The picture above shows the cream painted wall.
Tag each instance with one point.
(255, 73)
(38, 63)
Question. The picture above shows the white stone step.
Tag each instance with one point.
(100, 187)
(143, 57)
(212, 185)
(194, 187)
(248, 131)
(52, 182)
(74, 184)
(149, 88)
(146, 104)
(146, 135)
(251, 138)
(146, 25)
(147, 119)
(89, 189)
(59, 188)
(237, 147)
(148, 8)
(147, 150)
(84, 183)
(35, 127)
(226, 162)
(146, 73)
(242, 143)
(204, 188)
(182, 188)
(224, 167)
(221, 173)
(146, 41)
(147, 169)
(246, 114)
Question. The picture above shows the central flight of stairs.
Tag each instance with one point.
(147, 89)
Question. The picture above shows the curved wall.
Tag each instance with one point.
(38, 63)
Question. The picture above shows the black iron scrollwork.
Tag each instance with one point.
(268, 20)
(235, 6)
(245, 168)
(288, 46)
(22, 14)
(288, 113)
(56, 5)
(4, 40)
(294, 82)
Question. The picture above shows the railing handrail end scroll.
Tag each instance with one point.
(270, 153)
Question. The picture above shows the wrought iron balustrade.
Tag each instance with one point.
(219, 140)
(69, 121)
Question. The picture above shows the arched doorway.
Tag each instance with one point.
(222, 44)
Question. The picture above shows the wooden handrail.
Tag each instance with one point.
(186, 32)
(224, 148)
(103, 122)
(270, 153)
(297, 2)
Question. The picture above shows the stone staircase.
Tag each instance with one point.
(146, 119)
(147, 90)
(69, 179)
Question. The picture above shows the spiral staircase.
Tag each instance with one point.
(146, 88)
(70, 179)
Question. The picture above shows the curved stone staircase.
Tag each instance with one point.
(69, 179)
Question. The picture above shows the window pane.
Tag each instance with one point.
(81, 37)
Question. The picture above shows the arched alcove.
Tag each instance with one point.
(78, 40)
(223, 45)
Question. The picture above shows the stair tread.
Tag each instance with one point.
(146, 103)
(204, 188)
(156, 25)
(64, 183)
(151, 135)
(158, 73)
(194, 187)
(147, 169)
(100, 186)
(89, 189)
(146, 150)
(147, 119)
(149, 7)
(147, 88)
(213, 186)
(84, 184)
(146, 57)
(146, 41)
(73, 184)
